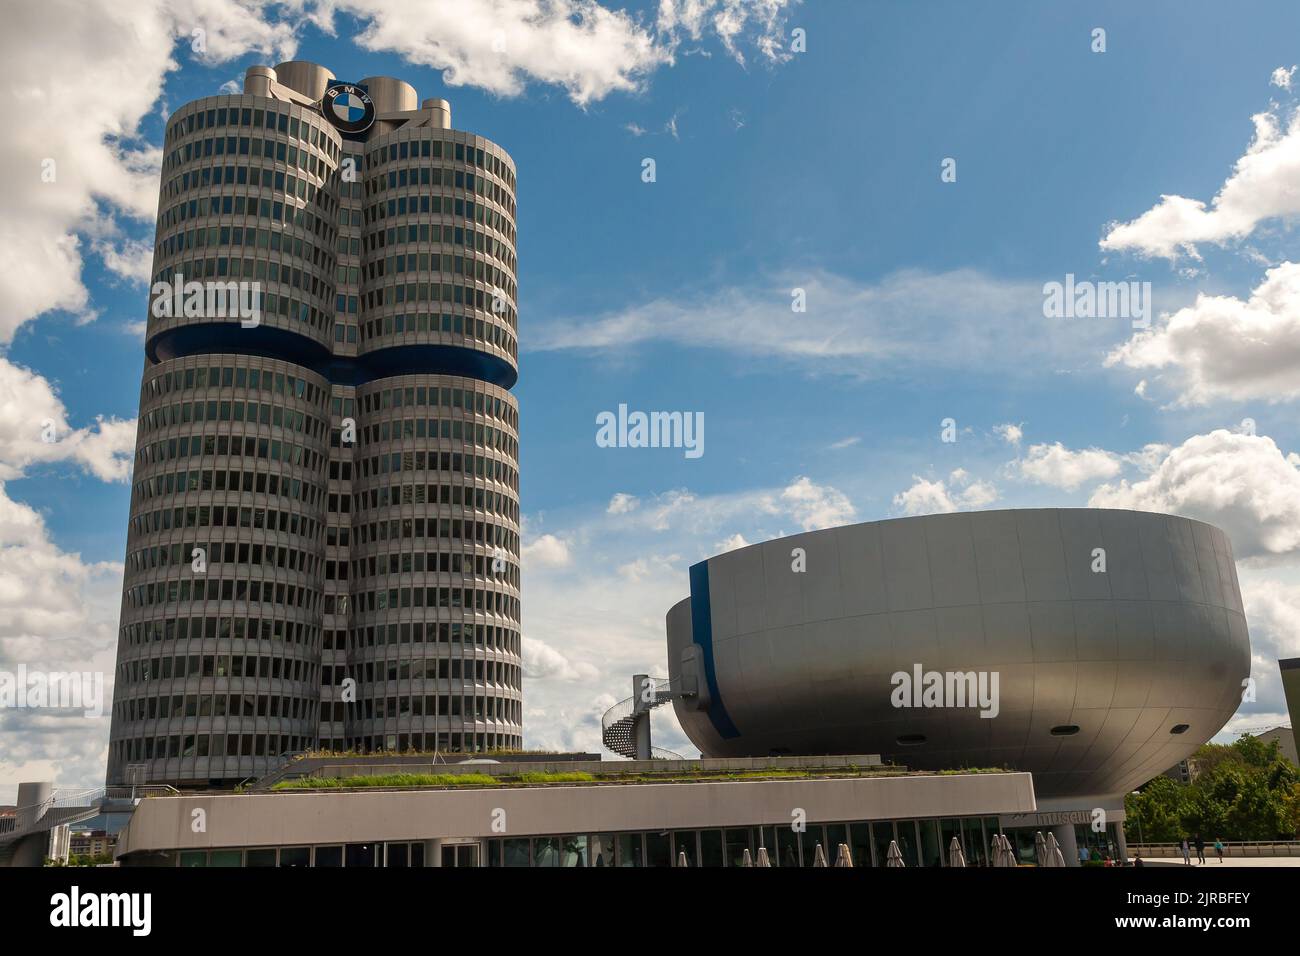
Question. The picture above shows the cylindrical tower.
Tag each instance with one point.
(323, 548)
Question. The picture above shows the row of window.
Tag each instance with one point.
(436, 149)
(261, 208)
(217, 516)
(425, 233)
(214, 628)
(231, 552)
(259, 482)
(211, 745)
(421, 180)
(201, 589)
(371, 673)
(394, 462)
(270, 305)
(262, 267)
(286, 385)
(470, 599)
(321, 136)
(472, 708)
(144, 670)
(376, 215)
(430, 262)
(406, 396)
(443, 293)
(397, 529)
(498, 567)
(476, 466)
(245, 446)
(279, 151)
(491, 636)
(167, 706)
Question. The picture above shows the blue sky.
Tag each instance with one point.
(775, 170)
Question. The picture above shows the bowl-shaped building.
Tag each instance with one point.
(1093, 648)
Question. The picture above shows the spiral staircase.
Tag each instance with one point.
(625, 727)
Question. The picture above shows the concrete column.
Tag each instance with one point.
(33, 801)
(433, 853)
(641, 709)
(1123, 843)
(1069, 846)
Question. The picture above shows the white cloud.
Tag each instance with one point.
(939, 496)
(1241, 483)
(547, 551)
(1009, 433)
(30, 410)
(960, 320)
(1224, 348)
(1282, 77)
(816, 506)
(1261, 187)
(87, 72)
(57, 613)
(587, 49)
(733, 543)
(543, 662)
(845, 443)
(1062, 468)
(621, 504)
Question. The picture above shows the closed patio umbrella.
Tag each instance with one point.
(955, 855)
(746, 859)
(844, 857)
(763, 858)
(894, 856)
(1055, 857)
(819, 856)
(1040, 848)
(681, 859)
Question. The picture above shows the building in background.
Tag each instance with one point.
(1114, 644)
(1285, 738)
(323, 543)
(1290, 668)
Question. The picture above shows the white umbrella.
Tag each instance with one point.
(1040, 848)
(819, 856)
(681, 859)
(894, 856)
(955, 855)
(1009, 852)
(1055, 857)
(746, 859)
(1004, 854)
(844, 857)
(762, 857)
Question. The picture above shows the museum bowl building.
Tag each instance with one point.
(1096, 648)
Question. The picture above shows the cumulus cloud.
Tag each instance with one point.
(31, 414)
(733, 543)
(1009, 433)
(543, 662)
(1282, 77)
(939, 496)
(586, 48)
(621, 504)
(547, 551)
(1224, 348)
(816, 506)
(1241, 483)
(1261, 187)
(87, 73)
(1063, 468)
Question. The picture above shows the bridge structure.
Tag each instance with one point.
(41, 810)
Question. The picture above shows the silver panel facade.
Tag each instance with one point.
(803, 662)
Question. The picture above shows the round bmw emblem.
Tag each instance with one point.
(349, 108)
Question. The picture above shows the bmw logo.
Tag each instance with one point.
(348, 107)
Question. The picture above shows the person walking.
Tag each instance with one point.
(1218, 848)
(1200, 849)
(1083, 853)
(1137, 860)
(1187, 856)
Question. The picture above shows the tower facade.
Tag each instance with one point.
(323, 550)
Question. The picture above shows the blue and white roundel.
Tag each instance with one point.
(348, 107)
